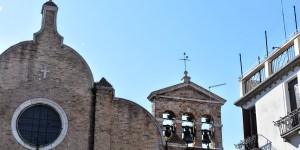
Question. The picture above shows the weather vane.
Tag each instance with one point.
(185, 58)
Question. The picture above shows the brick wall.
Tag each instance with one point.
(68, 83)
(183, 100)
(123, 124)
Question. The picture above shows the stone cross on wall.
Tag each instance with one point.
(45, 71)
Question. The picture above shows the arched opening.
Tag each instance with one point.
(188, 129)
(169, 126)
(207, 131)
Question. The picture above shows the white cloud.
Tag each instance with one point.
(1, 8)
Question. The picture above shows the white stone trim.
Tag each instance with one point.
(286, 93)
(26, 104)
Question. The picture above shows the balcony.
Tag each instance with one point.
(279, 58)
(289, 125)
(282, 60)
(255, 142)
(277, 61)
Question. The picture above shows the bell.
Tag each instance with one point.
(168, 131)
(206, 137)
(207, 120)
(187, 135)
(170, 117)
(189, 118)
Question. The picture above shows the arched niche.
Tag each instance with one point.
(188, 129)
(169, 126)
(206, 120)
(207, 128)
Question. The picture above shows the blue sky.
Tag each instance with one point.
(136, 44)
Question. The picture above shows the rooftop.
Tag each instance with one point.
(274, 66)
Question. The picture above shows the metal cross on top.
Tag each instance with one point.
(185, 58)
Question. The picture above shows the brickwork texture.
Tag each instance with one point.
(46, 68)
(189, 98)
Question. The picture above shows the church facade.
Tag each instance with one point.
(49, 100)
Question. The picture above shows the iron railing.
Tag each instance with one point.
(276, 64)
(257, 78)
(252, 142)
(272, 51)
(284, 58)
(289, 122)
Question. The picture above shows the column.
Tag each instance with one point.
(297, 46)
(268, 70)
(242, 88)
(103, 114)
(198, 133)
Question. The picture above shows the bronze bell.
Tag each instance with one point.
(187, 135)
(168, 131)
(170, 117)
(207, 120)
(189, 118)
(206, 136)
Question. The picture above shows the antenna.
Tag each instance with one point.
(283, 20)
(241, 65)
(213, 86)
(266, 38)
(216, 85)
(295, 19)
(259, 72)
(185, 58)
(276, 47)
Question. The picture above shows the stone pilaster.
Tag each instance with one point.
(103, 114)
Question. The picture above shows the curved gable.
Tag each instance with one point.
(44, 68)
(25, 60)
(131, 119)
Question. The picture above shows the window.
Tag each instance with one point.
(250, 126)
(294, 94)
(289, 124)
(39, 124)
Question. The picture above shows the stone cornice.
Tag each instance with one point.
(185, 84)
(190, 99)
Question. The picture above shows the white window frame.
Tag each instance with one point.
(287, 93)
(35, 101)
